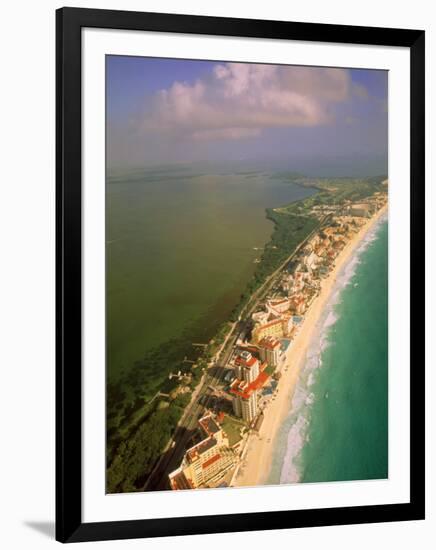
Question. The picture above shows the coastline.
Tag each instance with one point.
(257, 456)
(213, 342)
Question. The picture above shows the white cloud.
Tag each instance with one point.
(239, 100)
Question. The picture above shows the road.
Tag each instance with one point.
(173, 457)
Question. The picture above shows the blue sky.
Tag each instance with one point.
(163, 111)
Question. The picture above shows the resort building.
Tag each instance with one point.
(206, 462)
(286, 282)
(278, 306)
(211, 428)
(244, 407)
(298, 304)
(272, 328)
(246, 367)
(298, 285)
(321, 250)
(270, 349)
(260, 317)
(361, 210)
(311, 260)
(276, 326)
(244, 396)
(338, 244)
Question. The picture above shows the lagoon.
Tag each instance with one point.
(181, 246)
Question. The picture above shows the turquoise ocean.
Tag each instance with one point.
(337, 428)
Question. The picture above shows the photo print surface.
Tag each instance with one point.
(246, 274)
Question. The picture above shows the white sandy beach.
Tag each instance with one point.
(258, 454)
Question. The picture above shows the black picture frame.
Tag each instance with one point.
(69, 23)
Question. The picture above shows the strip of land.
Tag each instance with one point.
(255, 467)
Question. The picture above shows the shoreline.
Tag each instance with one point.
(258, 453)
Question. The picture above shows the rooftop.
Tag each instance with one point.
(272, 323)
(278, 302)
(249, 347)
(194, 452)
(209, 425)
(246, 359)
(269, 343)
(244, 390)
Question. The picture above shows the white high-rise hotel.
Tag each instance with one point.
(270, 350)
(206, 462)
(244, 388)
(245, 405)
(246, 367)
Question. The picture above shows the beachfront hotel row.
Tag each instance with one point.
(254, 368)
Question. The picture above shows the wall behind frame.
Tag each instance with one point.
(27, 271)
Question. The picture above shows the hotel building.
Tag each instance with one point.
(272, 328)
(311, 261)
(244, 389)
(269, 349)
(278, 306)
(298, 304)
(246, 367)
(244, 401)
(278, 327)
(206, 462)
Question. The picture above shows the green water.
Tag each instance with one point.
(180, 252)
(338, 428)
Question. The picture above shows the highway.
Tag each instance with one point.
(172, 458)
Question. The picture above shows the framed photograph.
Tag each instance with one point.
(240, 274)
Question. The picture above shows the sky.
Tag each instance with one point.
(312, 119)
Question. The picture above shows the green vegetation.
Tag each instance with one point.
(334, 192)
(270, 370)
(232, 427)
(135, 412)
(139, 422)
(136, 454)
(217, 341)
